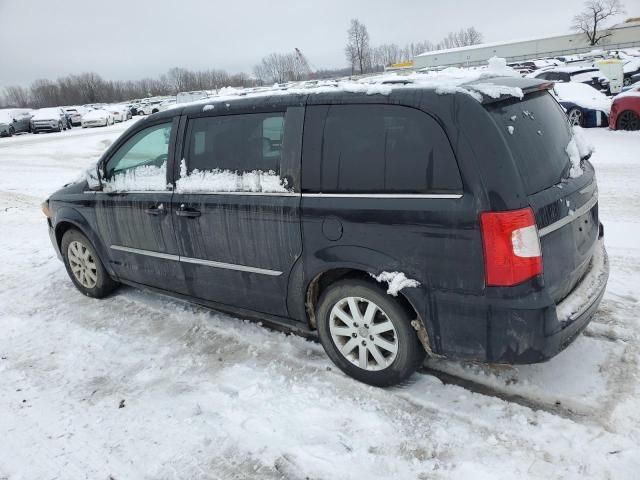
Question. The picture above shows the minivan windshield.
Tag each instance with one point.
(537, 131)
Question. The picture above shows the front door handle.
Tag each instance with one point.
(183, 211)
(159, 210)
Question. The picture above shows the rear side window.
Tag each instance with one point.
(234, 153)
(537, 132)
(376, 149)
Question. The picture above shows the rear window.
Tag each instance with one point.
(538, 133)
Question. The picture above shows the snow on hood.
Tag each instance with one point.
(633, 92)
(582, 95)
(46, 114)
(96, 115)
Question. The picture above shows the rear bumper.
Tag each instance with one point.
(518, 325)
(536, 336)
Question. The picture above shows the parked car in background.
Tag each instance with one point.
(52, 119)
(149, 108)
(585, 106)
(75, 114)
(589, 75)
(14, 120)
(625, 110)
(165, 104)
(631, 69)
(118, 112)
(97, 118)
(390, 224)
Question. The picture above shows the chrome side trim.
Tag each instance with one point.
(383, 195)
(263, 194)
(230, 266)
(197, 261)
(94, 192)
(569, 218)
(149, 253)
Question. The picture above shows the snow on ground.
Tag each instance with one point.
(141, 386)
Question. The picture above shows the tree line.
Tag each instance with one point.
(92, 88)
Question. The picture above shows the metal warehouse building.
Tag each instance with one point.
(624, 35)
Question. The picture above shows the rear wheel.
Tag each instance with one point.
(575, 116)
(368, 333)
(628, 120)
(12, 131)
(84, 266)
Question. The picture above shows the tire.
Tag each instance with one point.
(59, 126)
(338, 331)
(626, 82)
(78, 254)
(628, 120)
(575, 116)
(12, 131)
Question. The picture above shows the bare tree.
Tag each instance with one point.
(16, 96)
(280, 68)
(358, 50)
(590, 20)
(461, 38)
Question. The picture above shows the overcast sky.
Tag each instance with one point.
(130, 39)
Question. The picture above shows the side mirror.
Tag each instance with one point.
(93, 179)
(15, 120)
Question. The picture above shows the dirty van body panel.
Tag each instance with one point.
(239, 248)
(435, 241)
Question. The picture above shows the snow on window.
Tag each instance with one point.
(396, 280)
(579, 147)
(142, 178)
(218, 180)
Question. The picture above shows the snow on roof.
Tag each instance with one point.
(582, 95)
(446, 81)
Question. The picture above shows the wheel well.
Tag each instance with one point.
(324, 280)
(61, 229)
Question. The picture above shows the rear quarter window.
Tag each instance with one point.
(537, 132)
(376, 149)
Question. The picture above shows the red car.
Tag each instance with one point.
(625, 111)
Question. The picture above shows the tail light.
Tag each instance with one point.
(511, 247)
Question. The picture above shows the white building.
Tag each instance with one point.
(623, 35)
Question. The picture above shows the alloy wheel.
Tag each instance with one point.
(629, 120)
(82, 264)
(575, 117)
(363, 333)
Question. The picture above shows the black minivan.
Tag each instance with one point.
(393, 224)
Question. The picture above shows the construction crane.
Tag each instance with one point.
(305, 65)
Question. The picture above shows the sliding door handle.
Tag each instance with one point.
(187, 212)
(159, 210)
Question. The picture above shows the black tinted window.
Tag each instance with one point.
(538, 133)
(376, 149)
(239, 143)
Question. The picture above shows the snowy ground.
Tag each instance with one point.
(206, 396)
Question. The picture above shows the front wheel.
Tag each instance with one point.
(628, 120)
(84, 266)
(368, 333)
(575, 116)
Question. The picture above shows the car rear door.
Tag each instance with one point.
(236, 209)
(133, 211)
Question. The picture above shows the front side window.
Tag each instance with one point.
(377, 149)
(141, 163)
(233, 153)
